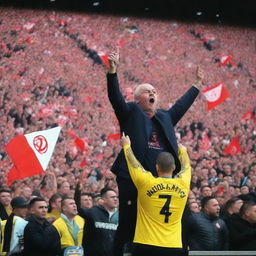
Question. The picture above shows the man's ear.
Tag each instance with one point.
(157, 168)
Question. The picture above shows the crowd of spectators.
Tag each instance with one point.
(52, 72)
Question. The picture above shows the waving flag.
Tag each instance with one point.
(248, 115)
(205, 143)
(31, 153)
(113, 136)
(215, 95)
(233, 147)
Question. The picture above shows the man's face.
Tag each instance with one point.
(236, 206)
(110, 200)
(212, 208)
(244, 190)
(21, 212)
(86, 201)
(251, 214)
(65, 188)
(206, 192)
(69, 208)
(147, 98)
(5, 199)
(57, 204)
(194, 207)
(27, 192)
(39, 209)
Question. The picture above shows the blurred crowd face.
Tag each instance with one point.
(39, 210)
(194, 207)
(21, 212)
(5, 198)
(250, 214)
(26, 192)
(57, 204)
(86, 201)
(235, 208)
(110, 200)
(69, 208)
(146, 97)
(206, 191)
(244, 190)
(65, 188)
(212, 208)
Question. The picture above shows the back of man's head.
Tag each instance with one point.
(165, 163)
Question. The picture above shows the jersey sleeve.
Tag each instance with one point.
(137, 172)
(185, 172)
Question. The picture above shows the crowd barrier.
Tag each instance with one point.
(215, 253)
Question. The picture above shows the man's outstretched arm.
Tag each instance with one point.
(137, 172)
(114, 94)
(182, 105)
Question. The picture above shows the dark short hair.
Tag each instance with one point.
(205, 200)
(5, 190)
(53, 198)
(104, 191)
(230, 202)
(34, 200)
(246, 206)
(87, 194)
(165, 161)
(205, 186)
(65, 198)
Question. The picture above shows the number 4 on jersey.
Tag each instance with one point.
(165, 210)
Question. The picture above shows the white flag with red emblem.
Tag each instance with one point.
(31, 153)
(215, 95)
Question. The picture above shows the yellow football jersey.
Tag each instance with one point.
(161, 202)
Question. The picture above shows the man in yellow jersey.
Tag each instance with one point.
(161, 201)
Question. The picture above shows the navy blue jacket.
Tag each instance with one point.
(135, 123)
(206, 233)
(99, 231)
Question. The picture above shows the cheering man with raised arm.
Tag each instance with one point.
(160, 204)
(151, 131)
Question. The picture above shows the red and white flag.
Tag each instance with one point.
(31, 153)
(215, 95)
(233, 147)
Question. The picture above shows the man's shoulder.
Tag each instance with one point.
(79, 220)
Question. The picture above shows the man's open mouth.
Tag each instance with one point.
(151, 100)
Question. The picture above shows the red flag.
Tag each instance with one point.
(71, 133)
(80, 144)
(83, 163)
(215, 95)
(248, 115)
(233, 148)
(206, 143)
(114, 136)
(104, 58)
(31, 153)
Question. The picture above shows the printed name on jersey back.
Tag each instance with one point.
(170, 187)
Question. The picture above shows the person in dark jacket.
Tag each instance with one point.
(5, 203)
(100, 225)
(242, 228)
(40, 237)
(206, 231)
(152, 132)
(232, 206)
